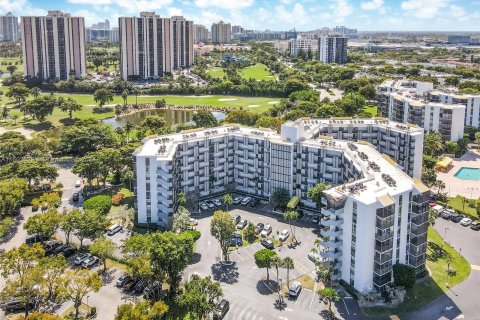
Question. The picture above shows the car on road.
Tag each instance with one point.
(445, 215)
(259, 228)
(90, 262)
(122, 279)
(129, 285)
(78, 183)
(113, 229)
(266, 231)
(34, 238)
(475, 225)
(81, 258)
(203, 206)
(210, 203)
(267, 244)
(284, 235)
(68, 251)
(237, 219)
(314, 257)
(218, 202)
(140, 286)
(254, 203)
(456, 217)
(242, 224)
(222, 309)
(466, 222)
(246, 200)
(76, 196)
(236, 240)
(193, 222)
(237, 200)
(294, 289)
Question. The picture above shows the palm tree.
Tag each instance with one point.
(5, 113)
(128, 128)
(276, 262)
(35, 92)
(331, 295)
(15, 117)
(227, 199)
(136, 92)
(125, 97)
(291, 216)
(289, 265)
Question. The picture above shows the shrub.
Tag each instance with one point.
(403, 275)
(117, 198)
(100, 204)
(351, 290)
(193, 233)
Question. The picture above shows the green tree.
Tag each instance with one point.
(136, 250)
(477, 139)
(250, 232)
(77, 284)
(19, 92)
(69, 105)
(153, 123)
(5, 112)
(316, 193)
(199, 296)
(263, 259)
(181, 219)
(125, 97)
(228, 200)
(103, 96)
(88, 167)
(291, 216)
(12, 193)
(245, 117)
(170, 254)
(41, 107)
(45, 223)
(42, 316)
(12, 68)
(331, 295)
(204, 119)
(451, 147)
(136, 91)
(404, 276)
(35, 170)
(288, 264)
(142, 310)
(35, 92)
(432, 143)
(20, 269)
(53, 267)
(276, 262)
(100, 204)
(280, 198)
(452, 81)
(6, 226)
(128, 128)
(103, 248)
(221, 228)
(91, 225)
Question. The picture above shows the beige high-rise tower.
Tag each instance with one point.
(221, 32)
(54, 46)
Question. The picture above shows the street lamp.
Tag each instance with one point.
(445, 237)
(280, 290)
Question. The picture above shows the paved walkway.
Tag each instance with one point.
(456, 186)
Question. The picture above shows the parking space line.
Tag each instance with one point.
(348, 312)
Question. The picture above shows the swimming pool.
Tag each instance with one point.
(468, 173)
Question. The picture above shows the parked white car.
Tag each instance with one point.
(203, 206)
(237, 200)
(284, 235)
(266, 231)
(218, 202)
(466, 222)
(246, 200)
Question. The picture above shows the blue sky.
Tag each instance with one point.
(443, 15)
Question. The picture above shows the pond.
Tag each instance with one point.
(172, 117)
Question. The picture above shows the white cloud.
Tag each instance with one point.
(458, 12)
(174, 11)
(224, 4)
(425, 9)
(91, 2)
(372, 5)
(90, 17)
(341, 9)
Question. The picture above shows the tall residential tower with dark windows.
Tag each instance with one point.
(332, 49)
(9, 28)
(152, 46)
(54, 46)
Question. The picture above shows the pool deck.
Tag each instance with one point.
(456, 186)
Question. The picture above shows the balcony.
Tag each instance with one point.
(384, 236)
(331, 255)
(331, 221)
(331, 243)
(330, 232)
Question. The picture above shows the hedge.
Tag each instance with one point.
(193, 233)
(101, 203)
(351, 290)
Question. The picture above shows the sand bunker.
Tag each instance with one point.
(227, 99)
(253, 106)
(274, 102)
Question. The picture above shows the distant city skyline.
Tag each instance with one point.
(364, 15)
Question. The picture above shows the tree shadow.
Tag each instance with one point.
(280, 304)
(46, 125)
(328, 315)
(435, 252)
(68, 121)
(102, 110)
(225, 274)
(266, 287)
(196, 258)
(108, 276)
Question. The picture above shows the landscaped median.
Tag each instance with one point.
(439, 254)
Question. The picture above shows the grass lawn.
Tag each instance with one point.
(90, 109)
(257, 72)
(433, 286)
(216, 72)
(457, 203)
(373, 110)
(115, 264)
(4, 62)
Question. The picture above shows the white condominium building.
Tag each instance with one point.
(200, 34)
(151, 46)
(53, 46)
(415, 102)
(375, 213)
(221, 32)
(298, 45)
(9, 28)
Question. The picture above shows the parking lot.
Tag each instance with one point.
(243, 284)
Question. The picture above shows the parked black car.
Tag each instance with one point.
(236, 240)
(68, 251)
(140, 286)
(446, 215)
(237, 219)
(254, 203)
(456, 217)
(34, 238)
(129, 285)
(475, 225)
(259, 228)
(15, 304)
(59, 249)
(268, 244)
(222, 309)
(152, 291)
